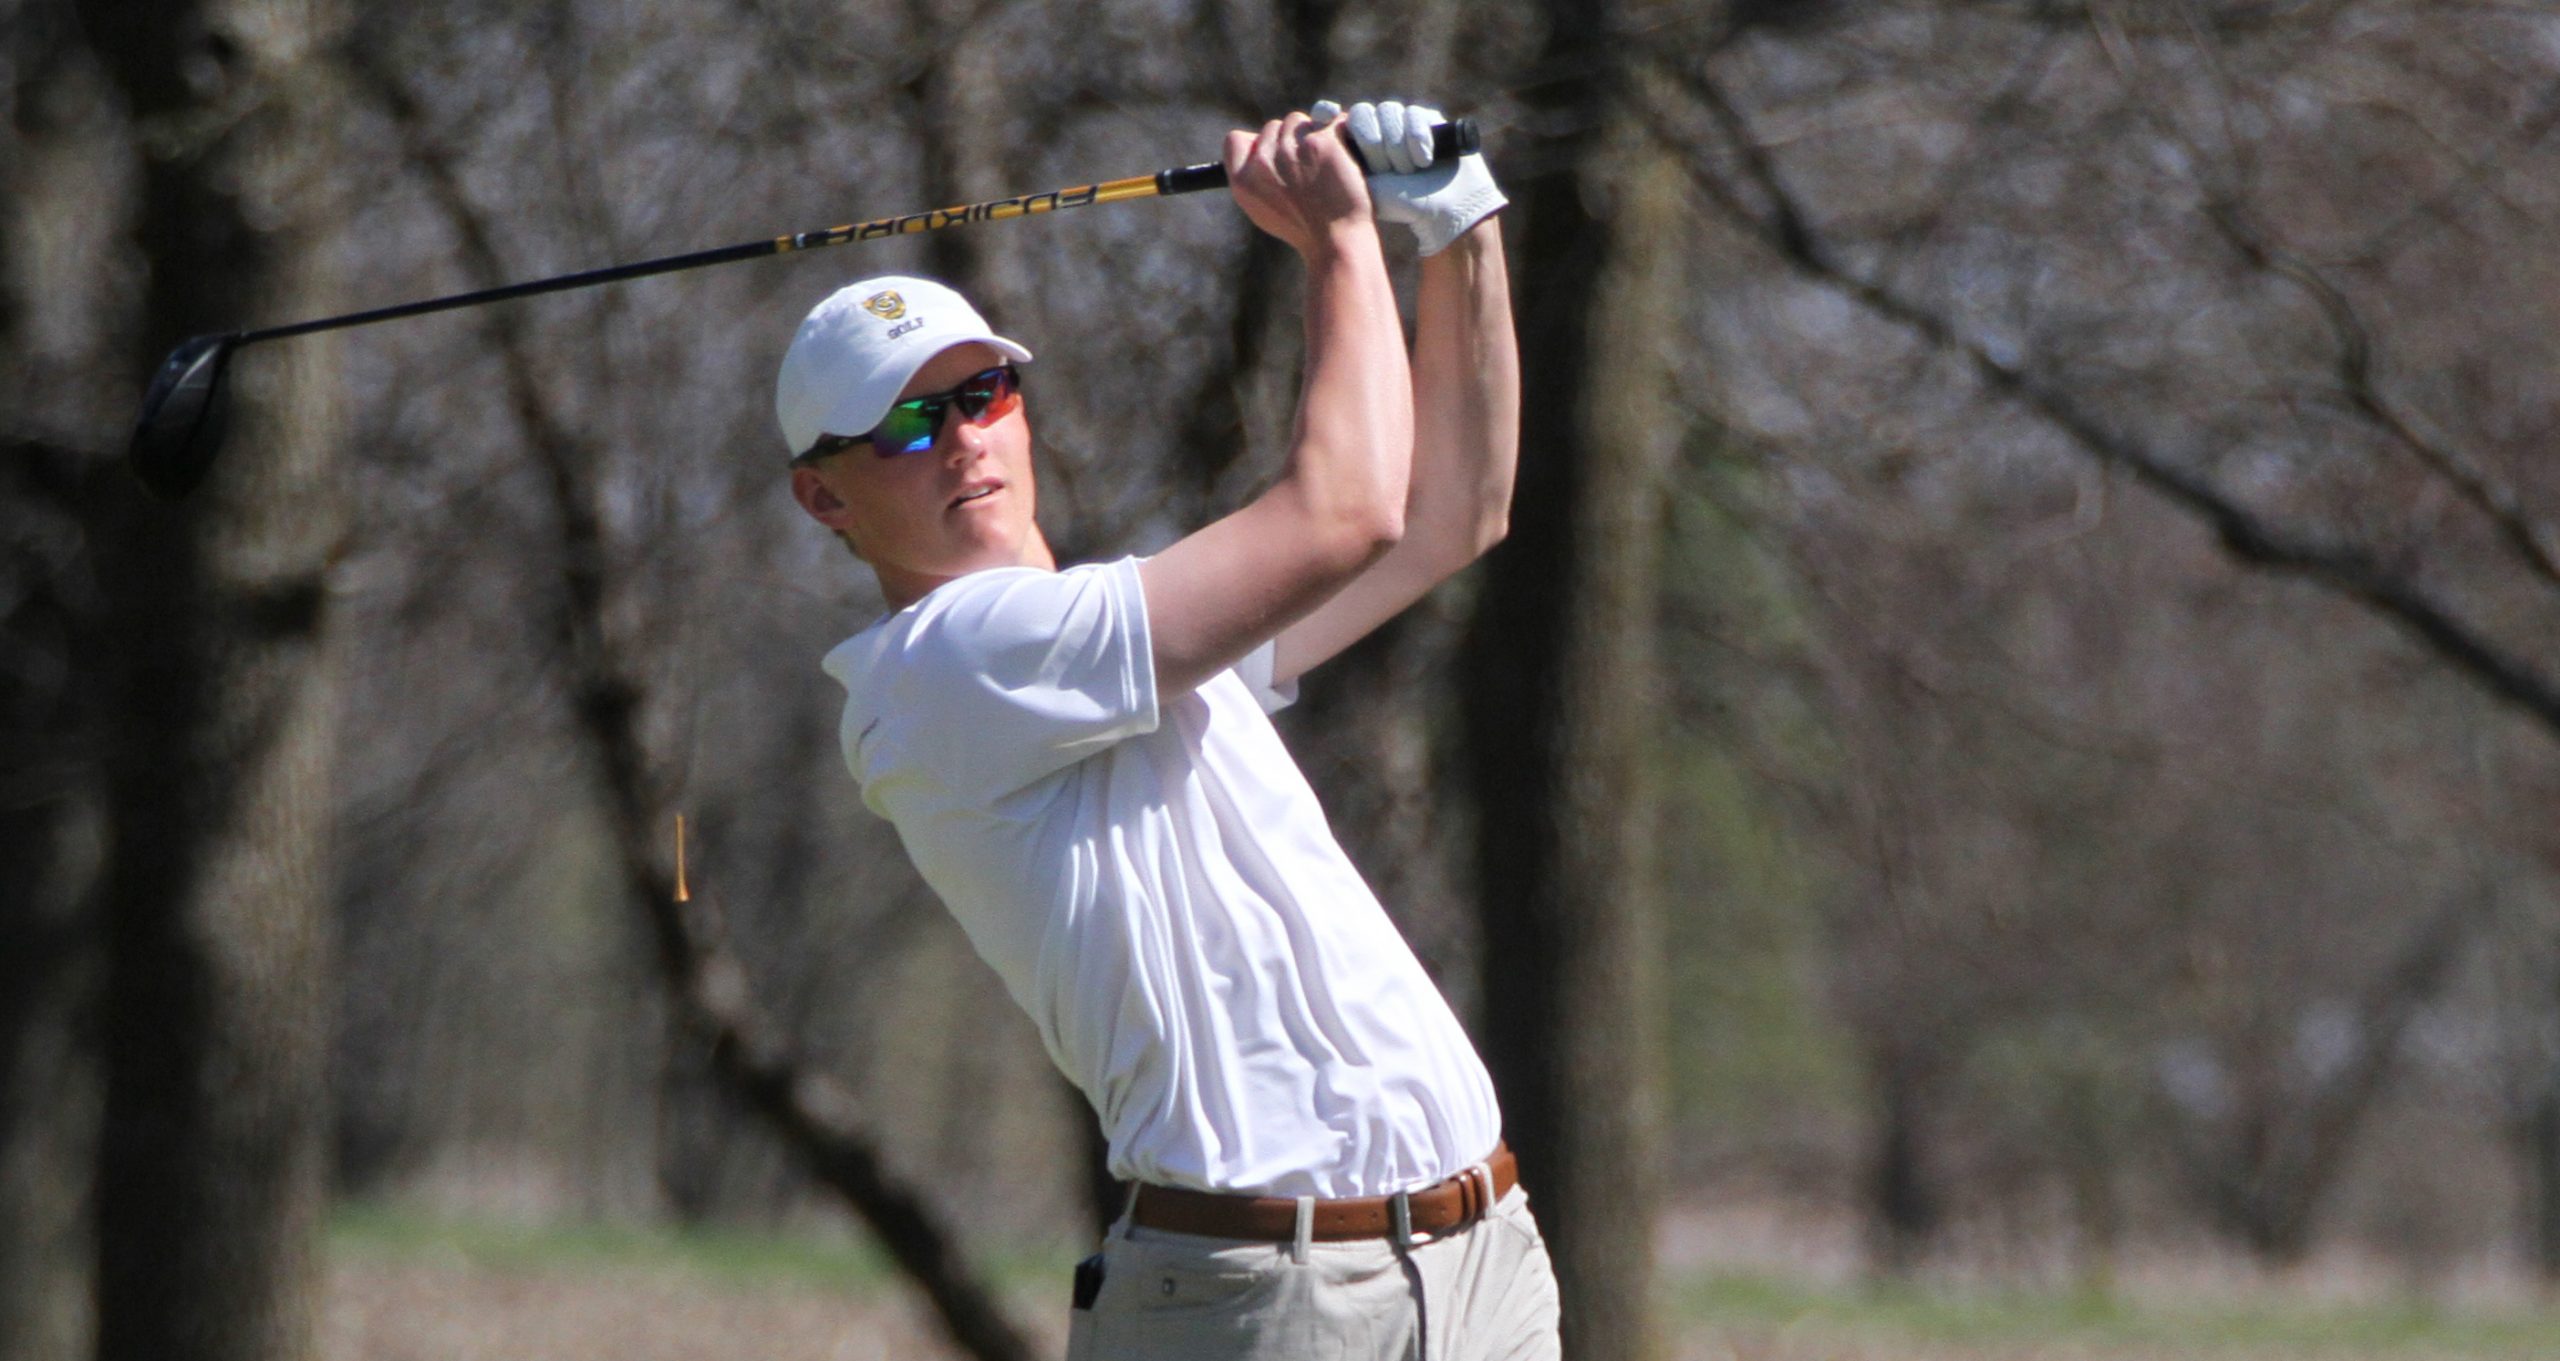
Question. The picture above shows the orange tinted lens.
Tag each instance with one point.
(912, 425)
(991, 395)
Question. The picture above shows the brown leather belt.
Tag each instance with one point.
(1443, 1208)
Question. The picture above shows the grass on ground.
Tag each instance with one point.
(1725, 1314)
(2103, 1325)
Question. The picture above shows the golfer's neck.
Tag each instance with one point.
(902, 587)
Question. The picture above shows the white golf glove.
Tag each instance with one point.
(1438, 201)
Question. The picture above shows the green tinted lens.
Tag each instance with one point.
(912, 425)
(908, 427)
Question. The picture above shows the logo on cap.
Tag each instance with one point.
(886, 306)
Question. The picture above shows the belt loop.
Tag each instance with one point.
(1400, 1238)
(1484, 1177)
(1128, 1210)
(1306, 1231)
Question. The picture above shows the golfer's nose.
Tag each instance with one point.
(960, 438)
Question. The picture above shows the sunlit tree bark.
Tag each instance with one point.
(211, 1174)
(1560, 697)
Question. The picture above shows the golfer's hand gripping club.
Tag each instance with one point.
(1437, 195)
(1449, 141)
(179, 431)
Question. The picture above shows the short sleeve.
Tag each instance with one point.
(1255, 671)
(1005, 677)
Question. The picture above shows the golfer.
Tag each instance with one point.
(1081, 764)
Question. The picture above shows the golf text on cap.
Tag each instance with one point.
(889, 306)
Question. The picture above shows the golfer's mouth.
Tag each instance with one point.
(975, 491)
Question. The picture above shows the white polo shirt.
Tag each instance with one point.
(1159, 890)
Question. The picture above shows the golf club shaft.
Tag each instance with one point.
(1449, 139)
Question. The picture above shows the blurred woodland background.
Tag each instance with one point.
(2020, 712)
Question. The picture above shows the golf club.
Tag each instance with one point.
(180, 430)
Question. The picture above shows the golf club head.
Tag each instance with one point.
(182, 417)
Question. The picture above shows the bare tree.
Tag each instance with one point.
(51, 834)
(212, 1163)
(816, 1117)
(2017, 265)
(1559, 684)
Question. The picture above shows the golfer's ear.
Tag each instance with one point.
(819, 499)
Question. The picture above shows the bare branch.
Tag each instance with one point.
(2226, 211)
(2476, 176)
(2346, 569)
(816, 1116)
(2265, 1180)
(2526, 535)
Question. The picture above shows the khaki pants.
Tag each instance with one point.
(1488, 1294)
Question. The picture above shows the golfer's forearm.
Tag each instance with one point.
(1218, 593)
(1351, 455)
(1466, 383)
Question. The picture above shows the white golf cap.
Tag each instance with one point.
(857, 349)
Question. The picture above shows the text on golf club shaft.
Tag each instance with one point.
(1139, 186)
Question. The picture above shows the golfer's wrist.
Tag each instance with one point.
(1350, 240)
(1471, 247)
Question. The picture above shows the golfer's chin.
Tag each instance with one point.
(978, 547)
(984, 536)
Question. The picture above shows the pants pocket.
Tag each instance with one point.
(1156, 1280)
(1176, 1301)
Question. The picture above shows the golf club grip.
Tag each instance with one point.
(1448, 141)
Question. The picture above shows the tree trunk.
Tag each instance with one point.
(1560, 704)
(2541, 1149)
(50, 827)
(2265, 1179)
(211, 1163)
(1902, 1202)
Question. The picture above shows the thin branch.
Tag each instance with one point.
(1780, 223)
(2326, 1123)
(2226, 211)
(815, 1115)
(2525, 534)
(2265, 1180)
(2478, 174)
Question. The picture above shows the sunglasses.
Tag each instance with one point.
(912, 425)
